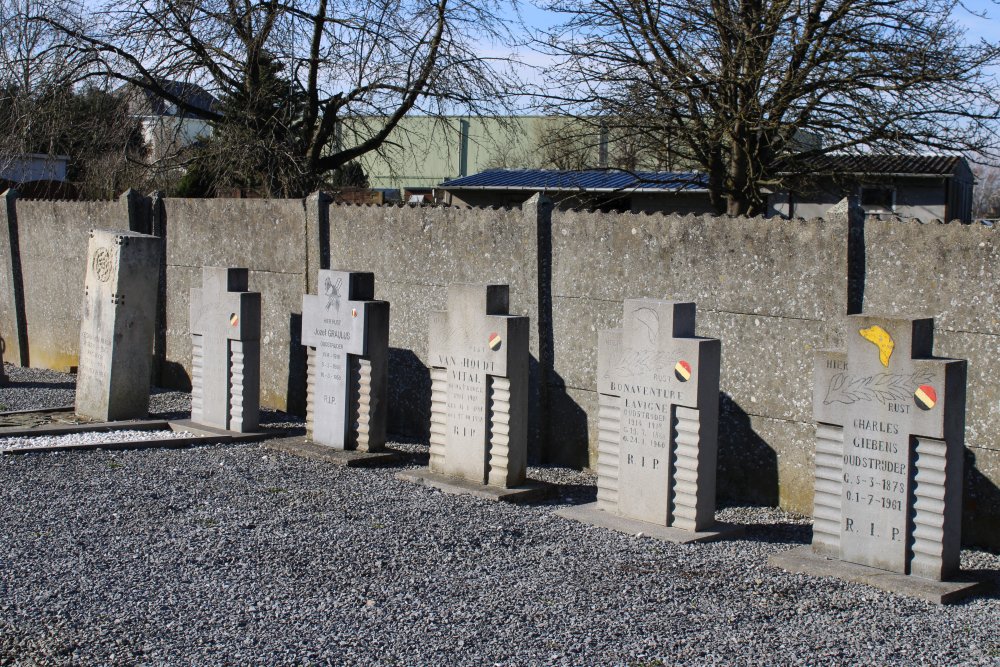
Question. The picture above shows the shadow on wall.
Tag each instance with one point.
(568, 430)
(295, 390)
(748, 467)
(409, 395)
(174, 376)
(980, 507)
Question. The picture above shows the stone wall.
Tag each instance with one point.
(774, 291)
(266, 236)
(951, 273)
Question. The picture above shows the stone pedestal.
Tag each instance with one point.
(116, 332)
(347, 333)
(225, 340)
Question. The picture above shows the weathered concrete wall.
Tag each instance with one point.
(415, 254)
(952, 273)
(772, 290)
(53, 254)
(266, 236)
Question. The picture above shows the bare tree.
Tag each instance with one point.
(737, 82)
(986, 194)
(306, 85)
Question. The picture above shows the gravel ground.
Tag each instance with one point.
(238, 555)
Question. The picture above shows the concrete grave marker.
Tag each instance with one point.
(225, 338)
(347, 332)
(116, 331)
(889, 446)
(889, 462)
(479, 397)
(659, 416)
(658, 401)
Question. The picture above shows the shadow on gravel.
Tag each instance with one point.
(13, 384)
(778, 533)
(574, 494)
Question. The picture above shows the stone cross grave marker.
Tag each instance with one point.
(225, 341)
(889, 447)
(116, 331)
(347, 333)
(658, 391)
(479, 387)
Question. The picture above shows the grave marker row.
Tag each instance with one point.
(890, 417)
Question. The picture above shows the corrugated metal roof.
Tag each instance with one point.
(593, 180)
(940, 165)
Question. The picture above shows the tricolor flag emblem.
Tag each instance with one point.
(354, 312)
(683, 371)
(495, 341)
(925, 397)
(234, 319)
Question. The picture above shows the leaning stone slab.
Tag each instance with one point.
(528, 491)
(658, 392)
(116, 332)
(479, 393)
(889, 450)
(347, 333)
(225, 337)
(347, 458)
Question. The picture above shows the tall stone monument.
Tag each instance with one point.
(658, 423)
(225, 341)
(116, 332)
(347, 333)
(479, 394)
(889, 458)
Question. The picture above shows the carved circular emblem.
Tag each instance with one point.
(103, 264)
(925, 397)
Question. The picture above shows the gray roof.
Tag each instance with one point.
(590, 180)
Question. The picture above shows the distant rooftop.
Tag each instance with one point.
(590, 180)
(922, 165)
(151, 104)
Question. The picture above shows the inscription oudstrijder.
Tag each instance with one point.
(889, 449)
(479, 376)
(658, 389)
(347, 333)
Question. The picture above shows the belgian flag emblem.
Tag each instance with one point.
(354, 312)
(682, 370)
(234, 319)
(495, 341)
(925, 397)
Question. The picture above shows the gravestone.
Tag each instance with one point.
(225, 354)
(479, 397)
(347, 333)
(889, 447)
(889, 462)
(116, 331)
(658, 423)
(658, 389)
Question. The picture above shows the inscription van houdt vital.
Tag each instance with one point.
(347, 333)
(889, 446)
(225, 342)
(658, 390)
(116, 329)
(479, 385)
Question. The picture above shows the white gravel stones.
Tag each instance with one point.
(89, 438)
(231, 554)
